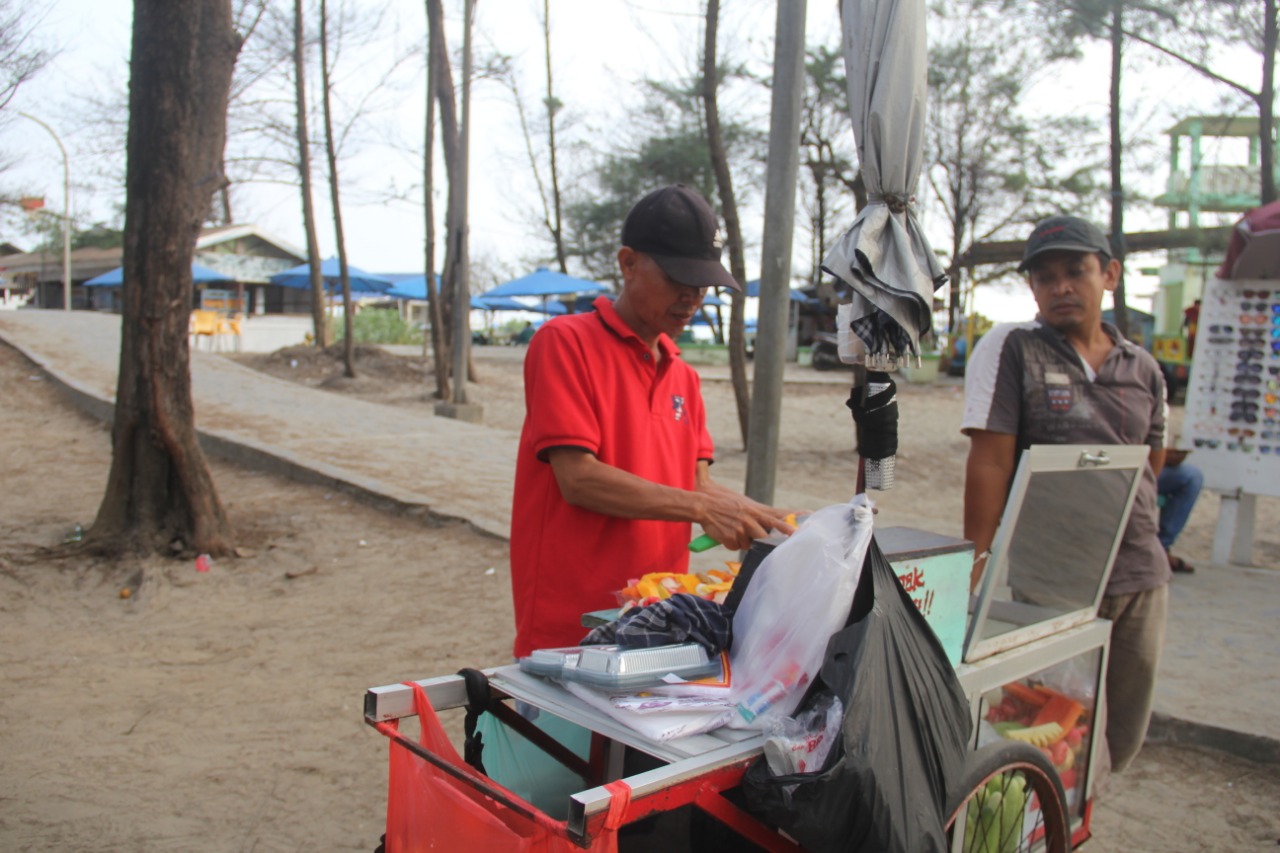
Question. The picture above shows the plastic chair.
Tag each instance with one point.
(204, 324)
(231, 326)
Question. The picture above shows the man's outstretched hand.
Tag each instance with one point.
(735, 521)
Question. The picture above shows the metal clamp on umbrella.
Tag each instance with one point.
(874, 403)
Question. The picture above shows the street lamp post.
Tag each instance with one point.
(66, 214)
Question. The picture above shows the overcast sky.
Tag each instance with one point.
(600, 49)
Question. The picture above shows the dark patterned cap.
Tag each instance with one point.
(1065, 233)
(678, 229)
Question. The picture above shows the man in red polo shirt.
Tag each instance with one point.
(614, 457)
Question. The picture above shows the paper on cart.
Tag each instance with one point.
(663, 726)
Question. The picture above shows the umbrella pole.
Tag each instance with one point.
(860, 381)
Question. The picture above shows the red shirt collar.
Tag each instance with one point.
(614, 323)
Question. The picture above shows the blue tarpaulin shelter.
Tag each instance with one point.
(115, 278)
(361, 282)
(545, 282)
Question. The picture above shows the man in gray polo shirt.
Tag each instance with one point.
(1068, 378)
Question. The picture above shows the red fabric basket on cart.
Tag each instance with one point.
(436, 801)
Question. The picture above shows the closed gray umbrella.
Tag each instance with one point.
(884, 256)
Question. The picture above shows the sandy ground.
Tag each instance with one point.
(221, 710)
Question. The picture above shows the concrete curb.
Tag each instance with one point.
(1166, 729)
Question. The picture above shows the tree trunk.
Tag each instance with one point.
(464, 366)
(331, 152)
(557, 227)
(1266, 111)
(439, 349)
(449, 141)
(729, 207)
(1117, 182)
(159, 491)
(319, 320)
(224, 197)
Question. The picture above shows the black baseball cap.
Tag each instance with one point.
(678, 229)
(1065, 233)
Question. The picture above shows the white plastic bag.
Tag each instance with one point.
(799, 596)
(802, 743)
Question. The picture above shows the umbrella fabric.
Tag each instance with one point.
(583, 304)
(115, 278)
(748, 324)
(753, 289)
(413, 287)
(1254, 251)
(300, 277)
(884, 256)
(545, 282)
(498, 303)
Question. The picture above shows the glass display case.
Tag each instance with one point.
(1035, 651)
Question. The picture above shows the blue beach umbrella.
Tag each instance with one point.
(545, 282)
(413, 287)
(499, 303)
(753, 289)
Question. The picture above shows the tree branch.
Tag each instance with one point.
(1191, 63)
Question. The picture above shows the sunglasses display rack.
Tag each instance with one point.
(1232, 420)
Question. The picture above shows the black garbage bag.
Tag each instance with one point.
(903, 739)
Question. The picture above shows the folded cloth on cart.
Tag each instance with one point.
(678, 619)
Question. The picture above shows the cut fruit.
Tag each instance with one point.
(1042, 735)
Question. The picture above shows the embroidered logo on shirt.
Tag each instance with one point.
(1057, 392)
(677, 406)
(1059, 398)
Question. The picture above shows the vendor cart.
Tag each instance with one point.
(1032, 648)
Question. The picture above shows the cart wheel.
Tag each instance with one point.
(1010, 800)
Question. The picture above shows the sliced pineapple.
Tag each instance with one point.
(1042, 735)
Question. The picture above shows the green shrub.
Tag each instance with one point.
(379, 326)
